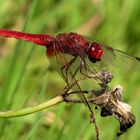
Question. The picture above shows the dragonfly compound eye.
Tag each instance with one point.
(95, 52)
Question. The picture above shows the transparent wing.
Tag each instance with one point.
(120, 59)
(127, 61)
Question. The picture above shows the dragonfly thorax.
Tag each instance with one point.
(71, 43)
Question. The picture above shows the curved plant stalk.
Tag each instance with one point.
(40, 107)
(30, 110)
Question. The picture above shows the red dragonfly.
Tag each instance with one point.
(67, 48)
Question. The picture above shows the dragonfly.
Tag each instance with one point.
(67, 48)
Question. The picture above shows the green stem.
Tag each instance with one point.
(30, 110)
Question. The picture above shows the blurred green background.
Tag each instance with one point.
(27, 78)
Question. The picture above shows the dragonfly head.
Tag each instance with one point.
(95, 52)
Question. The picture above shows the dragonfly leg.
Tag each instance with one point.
(84, 66)
(79, 92)
(76, 71)
(79, 68)
(65, 68)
